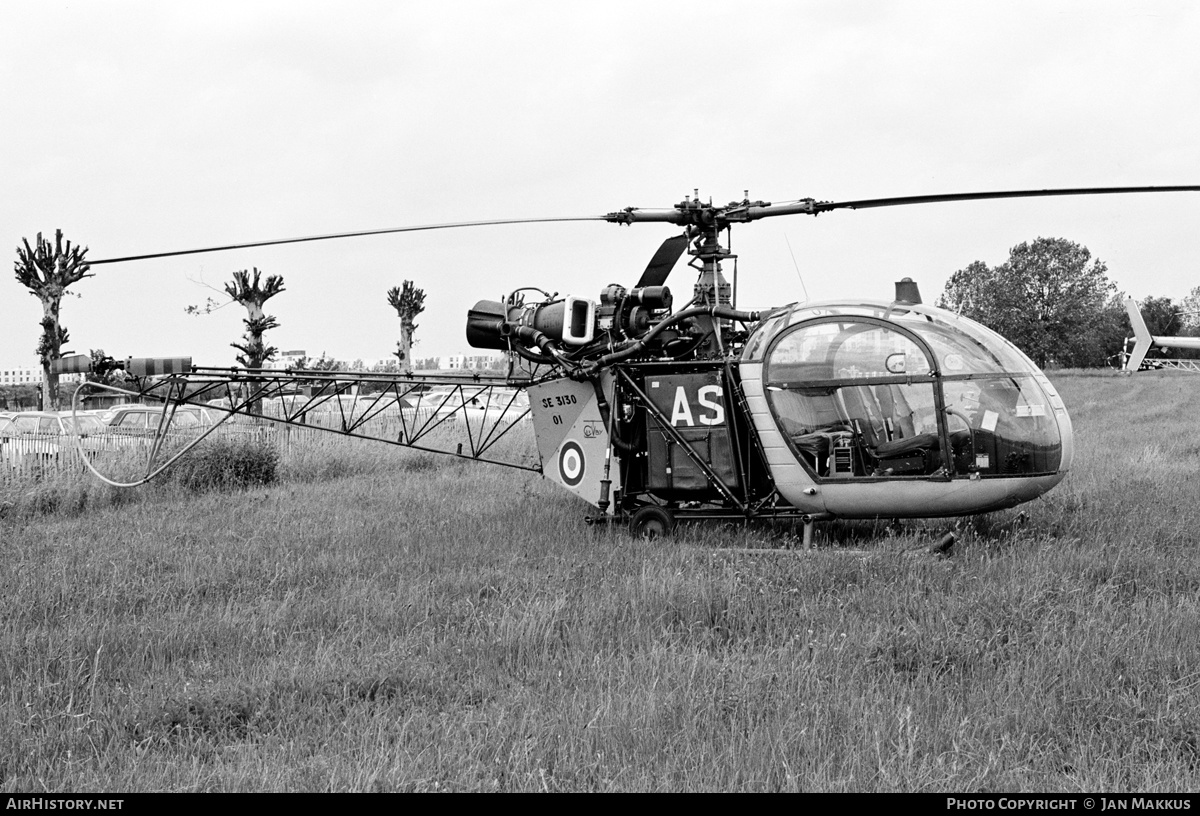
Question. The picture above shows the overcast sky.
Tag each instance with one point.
(138, 127)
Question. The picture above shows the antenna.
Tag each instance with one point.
(798, 275)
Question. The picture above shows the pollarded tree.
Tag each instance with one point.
(46, 272)
(1048, 298)
(408, 301)
(253, 293)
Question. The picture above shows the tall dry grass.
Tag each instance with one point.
(384, 620)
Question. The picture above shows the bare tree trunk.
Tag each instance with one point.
(51, 345)
(404, 347)
(47, 397)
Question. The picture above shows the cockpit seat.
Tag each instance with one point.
(816, 444)
(912, 456)
(815, 448)
(909, 446)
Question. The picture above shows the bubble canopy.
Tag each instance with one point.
(886, 391)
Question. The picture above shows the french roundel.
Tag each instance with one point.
(571, 463)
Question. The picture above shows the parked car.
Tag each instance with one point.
(9, 441)
(46, 433)
(475, 405)
(449, 401)
(218, 410)
(56, 424)
(144, 420)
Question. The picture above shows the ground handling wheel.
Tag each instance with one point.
(651, 521)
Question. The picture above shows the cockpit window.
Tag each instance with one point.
(843, 350)
(858, 397)
(960, 345)
(756, 346)
(1010, 408)
(961, 348)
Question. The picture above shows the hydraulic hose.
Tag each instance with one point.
(529, 336)
(635, 346)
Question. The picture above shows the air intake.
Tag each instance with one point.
(907, 291)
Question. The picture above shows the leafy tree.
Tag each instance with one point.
(18, 397)
(46, 271)
(408, 301)
(969, 291)
(1191, 312)
(381, 367)
(1113, 328)
(1161, 316)
(322, 363)
(253, 293)
(1049, 298)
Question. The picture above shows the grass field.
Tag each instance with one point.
(380, 620)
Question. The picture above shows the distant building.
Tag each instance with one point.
(13, 375)
(287, 359)
(469, 362)
(449, 362)
(18, 375)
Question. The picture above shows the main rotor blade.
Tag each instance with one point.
(934, 199)
(663, 262)
(811, 207)
(341, 235)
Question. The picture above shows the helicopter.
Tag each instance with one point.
(808, 411)
(1135, 359)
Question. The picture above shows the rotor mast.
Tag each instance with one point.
(703, 224)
